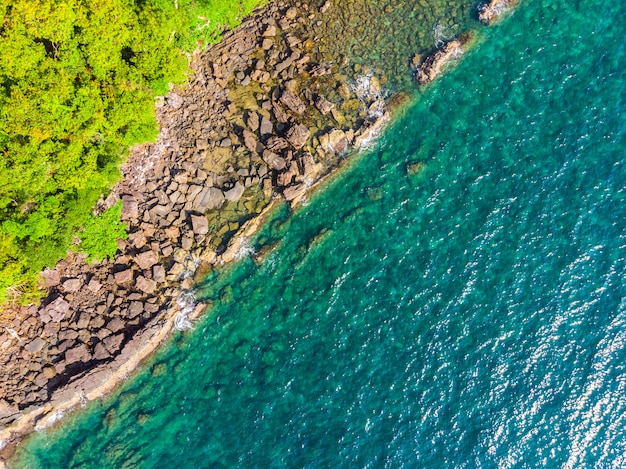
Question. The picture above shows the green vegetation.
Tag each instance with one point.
(78, 80)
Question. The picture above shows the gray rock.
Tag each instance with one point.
(199, 224)
(35, 345)
(55, 311)
(209, 198)
(298, 135)
(266, 126)
(72, 284)
(146, 260)
(233, 195)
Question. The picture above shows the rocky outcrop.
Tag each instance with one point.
(494, 9)
(433, 65)
(260, 120)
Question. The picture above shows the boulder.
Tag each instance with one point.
(146, 285)
(492, 10)
(130, 208)
(35, 345)
(199, 224)
(94, 286)
(334, 141)
(146, 260)
(270, 31)
(298, 135)
(292, 102)
(274, 161)
(51, 277)
(233, 194)
(253, 121)
(135, 308)
(276, 144)
(158, 273)
(100, 352)
(115, 324)
(55, 311)
(323, 105)
(113, 343)
(433, 65)
(266, 126)
(123, 276)
(77, 354)
(251, 142)
(293, 192)
(209, 198)
(72, 285)
(7, 410)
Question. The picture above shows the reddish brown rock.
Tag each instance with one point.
(77, 354)
(146, 285)
(124, 276)
(292, 102)
(146, 260)
(94, 286)
(130, 208)
(298, 135)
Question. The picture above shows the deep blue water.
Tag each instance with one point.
(470, 315)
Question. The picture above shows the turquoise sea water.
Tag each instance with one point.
(470, 315)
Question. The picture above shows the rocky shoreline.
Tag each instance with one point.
(264, 118)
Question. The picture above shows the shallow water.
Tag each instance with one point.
(472, 314)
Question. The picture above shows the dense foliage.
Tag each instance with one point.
(78, 80)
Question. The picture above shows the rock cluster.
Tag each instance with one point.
(494, 9)
(264, 115)
(433, 65)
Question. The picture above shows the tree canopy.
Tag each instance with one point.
(78, 79)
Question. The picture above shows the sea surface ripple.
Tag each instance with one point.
(470, 312)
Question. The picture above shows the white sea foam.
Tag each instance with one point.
(186, 302)
(245, 249)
